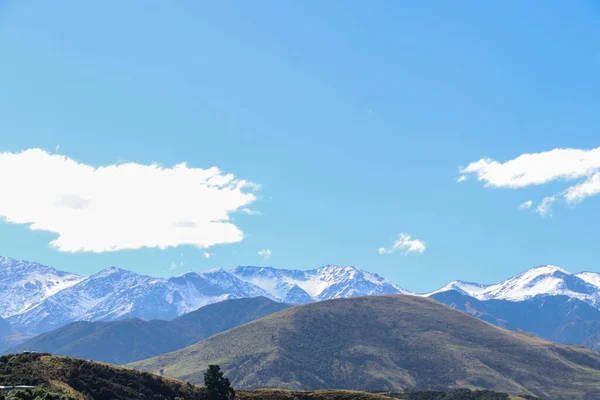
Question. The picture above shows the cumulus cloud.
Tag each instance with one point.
(526, 205)
(120, 206)
(541, 168)
(406, 244)
(265, 254)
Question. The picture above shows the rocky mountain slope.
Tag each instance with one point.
(557, 318)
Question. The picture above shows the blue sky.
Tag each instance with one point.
(353, 117)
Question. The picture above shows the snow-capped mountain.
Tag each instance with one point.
(328, 282)
(592, 278)
(467, 288)
(115, 293)
(546, 280)
(197, 289)
(35, 298)
(25, 284)
(47, 299)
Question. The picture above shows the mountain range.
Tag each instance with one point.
(385, 343)
(38, 299)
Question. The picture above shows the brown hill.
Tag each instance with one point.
(386, 343)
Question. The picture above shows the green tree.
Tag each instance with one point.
(217, 386)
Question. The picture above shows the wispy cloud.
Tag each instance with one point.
(174, 265)
(265, 254)
(206, 254)
(541, 168)
(545, 207)
(249, 211)
(406, 244)
(121, 206)
(526, 205)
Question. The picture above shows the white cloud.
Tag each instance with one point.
(175, 266)
(265, 254)
(526, 205)
(545, 207)
(120, 206)
(406, 244)
(589, 187)
(461, 178)
(541, 168)
(57, 148)
(206, 254)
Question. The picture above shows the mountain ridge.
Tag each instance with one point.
(557, 318)
(128, 340)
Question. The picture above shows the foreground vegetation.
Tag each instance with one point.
(90, 380)
(35, 394)
(63, 378)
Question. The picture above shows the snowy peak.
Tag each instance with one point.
(545, 280)
(593, 278)
(196, 289)
(25, 284)
(466, 288)
(327, 282)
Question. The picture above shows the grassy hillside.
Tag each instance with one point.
(129, 340)
(386, 343)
